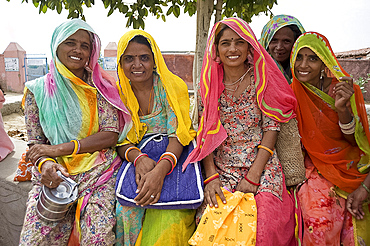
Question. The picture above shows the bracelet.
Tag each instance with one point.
(128, 150)
(348, 131)
(265, 148)
(366, 188)
(37, 162)
(347, 126)
(43, 161)
(170, 154)
(210, 178)
(253, 183)
(77, 147)
(168, 159)
(137, 157)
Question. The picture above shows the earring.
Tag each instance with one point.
(322, 74)
(218, 60)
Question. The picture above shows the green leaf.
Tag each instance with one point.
(35, 3)
(136, 24)
(110, 11)
(141, 23)
(124, 8)
(141, 12)
(176, 10)
(59, 7)
(106, 3)
(170, 10)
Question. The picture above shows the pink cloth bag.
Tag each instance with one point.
(6, 144)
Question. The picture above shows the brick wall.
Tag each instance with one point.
(357, 68)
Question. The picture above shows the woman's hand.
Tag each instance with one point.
(210, 191)
(143, 165)
(39, 150)
(354, 202)
(150, 187)
(343, 91)
(49, 176)
(246, 187)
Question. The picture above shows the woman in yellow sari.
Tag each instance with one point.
(159, 103)
(333, 123)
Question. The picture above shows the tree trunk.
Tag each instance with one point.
(204, 12)
(218, 11)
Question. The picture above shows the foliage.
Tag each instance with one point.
(138, 10)
(362, 82)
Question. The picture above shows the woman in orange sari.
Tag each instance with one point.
(335, 134)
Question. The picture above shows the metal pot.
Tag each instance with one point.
(54, 204)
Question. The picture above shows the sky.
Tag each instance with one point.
(346, 24)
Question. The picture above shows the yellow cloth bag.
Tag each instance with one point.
(233, 223)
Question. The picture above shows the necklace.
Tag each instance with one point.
(229, 100)
(150, 99)
(238, 81)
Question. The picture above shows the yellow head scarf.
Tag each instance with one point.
(175, 87)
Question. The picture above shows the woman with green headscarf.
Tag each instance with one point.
(159, 104)
(333, 123)
(278, 37)
(74, 120)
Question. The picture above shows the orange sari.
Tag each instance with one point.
(334, 167)
(337, 160)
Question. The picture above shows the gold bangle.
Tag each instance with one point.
(74, 152)
(265, 148)
(43, 161)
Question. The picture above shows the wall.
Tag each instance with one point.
(2, 72)
(181, 65)
(358, 68)
(15, 79)
(111, 51)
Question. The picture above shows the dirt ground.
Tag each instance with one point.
(15, 127)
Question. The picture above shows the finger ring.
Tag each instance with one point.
(51, 182)
(152, 196)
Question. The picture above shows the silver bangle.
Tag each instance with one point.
(37, 162)
(348, 131)
(347, 126)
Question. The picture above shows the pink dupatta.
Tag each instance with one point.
(274, 96)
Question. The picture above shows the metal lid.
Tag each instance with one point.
(63, 194)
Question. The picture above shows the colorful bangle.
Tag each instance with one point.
(170, 154)
(128, 150)
(43, 161)
(265, 148)
(210, 178)
(253, 183)
(366, 188)
(168, 159)
(137, 157)
(76, 148)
